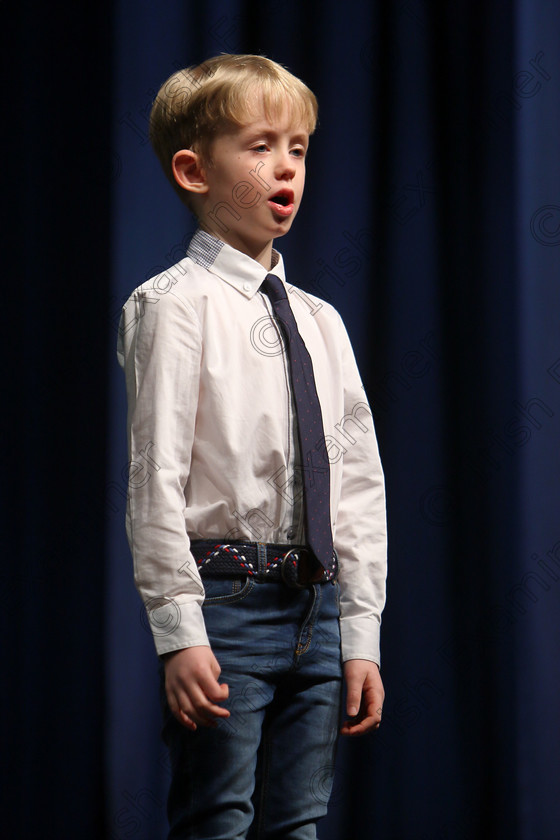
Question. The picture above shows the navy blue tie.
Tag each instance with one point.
(316, 470)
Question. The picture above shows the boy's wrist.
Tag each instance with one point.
(170, 653)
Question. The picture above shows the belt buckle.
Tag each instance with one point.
(290, 569)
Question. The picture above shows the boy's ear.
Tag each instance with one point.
(189, 172)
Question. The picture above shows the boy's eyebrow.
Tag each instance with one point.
(255, 132)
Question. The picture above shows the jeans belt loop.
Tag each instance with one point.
(261, 557)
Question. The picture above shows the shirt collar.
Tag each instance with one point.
(238, 270)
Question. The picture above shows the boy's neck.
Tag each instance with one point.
(256, 251)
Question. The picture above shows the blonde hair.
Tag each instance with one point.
(197, 104)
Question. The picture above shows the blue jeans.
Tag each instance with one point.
(265, 772)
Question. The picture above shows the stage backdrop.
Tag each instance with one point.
(431, 220)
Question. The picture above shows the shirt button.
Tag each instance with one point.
(247, 287)
(290, 534)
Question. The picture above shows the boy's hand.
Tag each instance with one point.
(365, 695)
(192, 687)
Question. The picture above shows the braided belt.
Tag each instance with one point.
(296, 566)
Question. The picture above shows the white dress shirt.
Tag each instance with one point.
(213, 439)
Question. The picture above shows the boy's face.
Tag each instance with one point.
(255, 184)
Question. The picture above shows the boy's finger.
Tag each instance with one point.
(202, 713)
(359, 726)
(353, 697)
(178, 712)
(183, 718)
(216, 711)
(351, 727)
(199, 705)
(367, 719)
(215, 691)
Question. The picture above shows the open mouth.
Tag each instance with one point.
(282, 202)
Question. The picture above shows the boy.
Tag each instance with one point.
(258, 532)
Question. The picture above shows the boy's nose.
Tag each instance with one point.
(285, 168)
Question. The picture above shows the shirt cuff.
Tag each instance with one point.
(176, 626)
(360, 639)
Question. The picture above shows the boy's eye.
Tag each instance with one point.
(298, 152)
(260, 148)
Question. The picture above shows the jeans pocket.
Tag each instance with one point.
(226, 590)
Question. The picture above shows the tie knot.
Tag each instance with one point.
(274, 288)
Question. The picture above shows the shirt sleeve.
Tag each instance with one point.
(160, 349)
(361, 531)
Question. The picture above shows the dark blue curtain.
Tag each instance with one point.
(432, 222)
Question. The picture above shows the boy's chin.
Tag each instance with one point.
(282, 230)
(282, 226)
